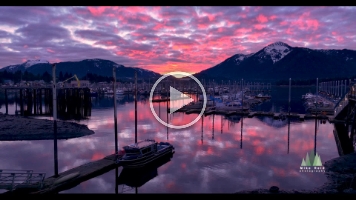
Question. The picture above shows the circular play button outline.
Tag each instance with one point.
(184, 74)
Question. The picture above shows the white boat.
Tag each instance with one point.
(225, 97)
(262, 96)
(109, 92)
(308, 96)
(225, 90)
(120, 92)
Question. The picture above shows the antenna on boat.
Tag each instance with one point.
(135, 106)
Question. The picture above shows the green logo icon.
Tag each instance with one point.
(312, 159)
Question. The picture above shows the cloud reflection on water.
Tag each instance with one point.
(214, 165)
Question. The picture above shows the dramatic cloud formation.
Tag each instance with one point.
(165, 39)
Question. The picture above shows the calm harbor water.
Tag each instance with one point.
(215, 155)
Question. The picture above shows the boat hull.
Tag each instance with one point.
(143, 161)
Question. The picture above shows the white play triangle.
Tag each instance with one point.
(177, 100)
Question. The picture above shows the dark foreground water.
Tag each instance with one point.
(220, 155)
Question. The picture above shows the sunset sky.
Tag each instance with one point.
(165, 39)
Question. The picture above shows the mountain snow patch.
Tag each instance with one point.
(95, 59)
(277, 51)
(11, 67)
(29, 63)
(240, 58)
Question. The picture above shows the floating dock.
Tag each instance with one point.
(251, 114)
(160, 100)
(73, 177)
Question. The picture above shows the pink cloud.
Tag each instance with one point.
(272, 17)
(136, 9)
(184, 36)
(304, 22)
(50, 50)
(259, 26)
(289, 31)
(96, 11)
(283, 23)
(262, 19)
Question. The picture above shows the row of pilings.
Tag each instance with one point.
(72, 103)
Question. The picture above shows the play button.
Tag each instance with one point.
(178, 99)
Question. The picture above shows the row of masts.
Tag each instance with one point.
(336, 88)
(187, 86)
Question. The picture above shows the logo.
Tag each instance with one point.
(177, 95)
(312, 163)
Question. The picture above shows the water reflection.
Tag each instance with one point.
(136, 178)
(38, 102)
(198, 166)
(288, 134)
(344, 137)
(242, 122)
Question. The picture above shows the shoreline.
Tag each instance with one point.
(17, 128)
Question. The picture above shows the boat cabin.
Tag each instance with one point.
(143, 147)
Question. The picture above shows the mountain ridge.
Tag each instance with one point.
(280, 61)
(96, 66)
(275, 62)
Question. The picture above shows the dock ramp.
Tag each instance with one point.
(13, 179)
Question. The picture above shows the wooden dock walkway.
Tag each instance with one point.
(73, 177)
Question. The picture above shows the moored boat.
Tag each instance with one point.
(263, 96)
(143, 152)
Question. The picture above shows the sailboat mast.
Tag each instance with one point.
(135, 106)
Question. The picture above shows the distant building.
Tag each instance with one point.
(37, 83)
(23, 83)
(83, 83)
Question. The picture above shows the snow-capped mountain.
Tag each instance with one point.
(25, 65)
(30, 63)
(279, 61)
(81, 68)
(238, 58)
(276, 51)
